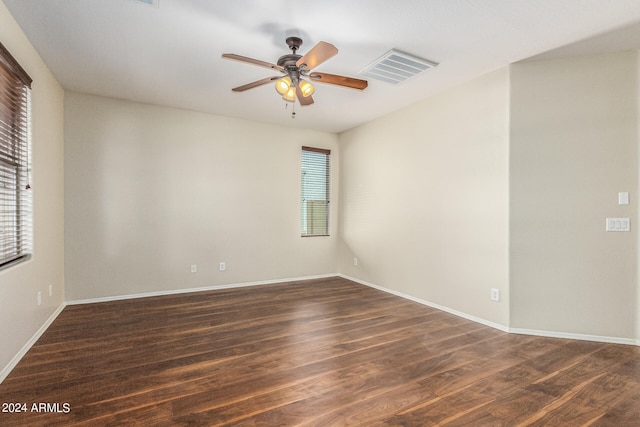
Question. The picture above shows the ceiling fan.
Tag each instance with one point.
(297, 67)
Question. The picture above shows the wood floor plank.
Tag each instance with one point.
(369, 376)
(325, 352)
(364, 400)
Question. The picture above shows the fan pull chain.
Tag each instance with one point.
(293, 113)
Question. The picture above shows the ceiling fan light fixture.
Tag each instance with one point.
(306, 88)
(291, 86)
(290, 95)
(283, 86)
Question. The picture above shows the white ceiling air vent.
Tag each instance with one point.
(396, 67)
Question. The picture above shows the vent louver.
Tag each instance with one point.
(396, 67)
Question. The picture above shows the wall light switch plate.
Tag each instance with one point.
(623, 198)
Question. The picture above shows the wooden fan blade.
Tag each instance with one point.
(252, 61)
(303, 101)
(333, 79)
(255, 84)
(317, 55)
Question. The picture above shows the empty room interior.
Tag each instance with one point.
(438, 225)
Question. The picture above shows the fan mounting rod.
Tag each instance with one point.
(288, 62)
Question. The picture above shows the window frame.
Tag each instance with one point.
(16, 214)
(326, 208)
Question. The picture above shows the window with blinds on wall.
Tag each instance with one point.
(15, 194)
(315, 192)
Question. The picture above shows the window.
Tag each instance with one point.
(15, 196)
(315, 192)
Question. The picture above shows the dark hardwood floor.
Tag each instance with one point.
(327, 352)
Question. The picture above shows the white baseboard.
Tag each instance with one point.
(548, 334)
(581, 337)
(200, 289)
(12, 364)
(430, 304)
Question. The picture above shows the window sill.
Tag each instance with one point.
(12, 263)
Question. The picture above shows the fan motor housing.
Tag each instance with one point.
(288, 60)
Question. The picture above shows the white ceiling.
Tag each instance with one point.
(170, 54)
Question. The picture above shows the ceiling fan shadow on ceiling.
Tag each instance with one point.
(295, 69)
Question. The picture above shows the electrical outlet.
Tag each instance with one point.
(355, 261)
(50, 290)
(223, 266)
(39, 298)
(495, 294)
(194, 268)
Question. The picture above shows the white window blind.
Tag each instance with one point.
(15, 128)
(315, 192)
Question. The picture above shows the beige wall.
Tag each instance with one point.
(574, 146)
(505, 182)
(425, 199)
(636, 201)
(20, 316)
(151, 190)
